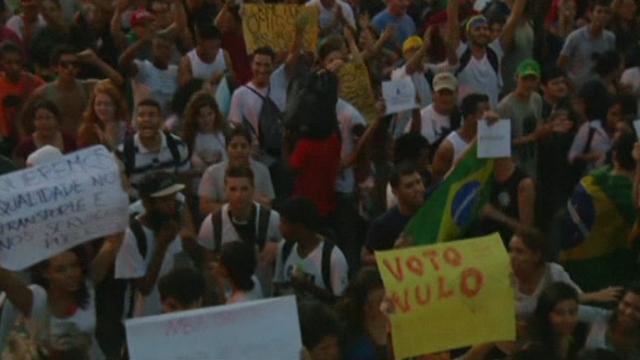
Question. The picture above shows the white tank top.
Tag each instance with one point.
(459, 145)
(203, 70)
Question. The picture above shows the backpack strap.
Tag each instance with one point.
(264, 214)
(216, 225)
(286, 251)
(129, 155)
(327, 249)
(173, 149)
(587, 145)
(138, 233)
(493, 59)
(491, 56)
(257, 93)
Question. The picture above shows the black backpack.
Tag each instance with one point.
(264, 214)
(491, 56)
(270, 132)
(129, 153)
(327, 249)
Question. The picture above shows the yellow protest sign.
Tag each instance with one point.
(355, 88)
(449, 295)
(274, 25)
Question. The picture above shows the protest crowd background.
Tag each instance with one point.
(271, 148)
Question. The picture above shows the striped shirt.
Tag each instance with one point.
(147, 161)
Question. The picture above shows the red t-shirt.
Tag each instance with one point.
(235, 46)
(317, 163)
(12, 97)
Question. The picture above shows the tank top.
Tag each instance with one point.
(203, 70)
(459, 145)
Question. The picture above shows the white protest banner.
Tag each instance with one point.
(494, 141)
(49, 208)
(399, 95)
(264, 329)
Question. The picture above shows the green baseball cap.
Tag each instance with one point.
(529, 67)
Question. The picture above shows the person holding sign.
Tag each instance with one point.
(457, 142)
(58, 310)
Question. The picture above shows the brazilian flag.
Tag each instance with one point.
(596, 246)
(455, 204)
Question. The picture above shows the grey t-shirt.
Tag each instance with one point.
(525, 116)
(212, 183)
(580, 48)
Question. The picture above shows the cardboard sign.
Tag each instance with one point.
(494, 141)
(449, 295)
(274, 25)
(265, 329)
(50, 208)
(355, 88)
(399, 95)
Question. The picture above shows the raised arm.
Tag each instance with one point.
(413, 65)
(509, 30)
(89, 56)
(126, 61)
(17, 291)
(106, 257)
(353, 47)
(294, 52)
(119, 37)
(453, 23)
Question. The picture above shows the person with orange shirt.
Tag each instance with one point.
(15, 87)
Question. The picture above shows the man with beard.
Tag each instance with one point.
(150, 244)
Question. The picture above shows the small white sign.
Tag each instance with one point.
(494, 141)
(636, 126)
(264, 329)
(399, 95)
(47, 209)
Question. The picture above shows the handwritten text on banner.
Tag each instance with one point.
(274, 25)
(448, 295)
(52, 207)
(265, 329)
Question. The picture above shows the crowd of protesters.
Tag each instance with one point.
(288, 189)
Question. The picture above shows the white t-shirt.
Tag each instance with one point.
(311, 266)
(16, 24)
(348, 118)
(631, 78)
(244, 296)
(432, 124)
(154, 83)
(203, 70)
(245, 104)
(526, 304)
(208, 147)
(212, 182)
(423, 89)
(479, 76)
(600, 142)
(131, 265)
(229, 233)
(459, 145)
(327, 15)
(77, 328)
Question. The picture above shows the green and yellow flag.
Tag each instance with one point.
(595, 242)
(455, 204)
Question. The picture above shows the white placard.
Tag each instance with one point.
(636, 126)
(399, 95)
(494, 141)
(263, 329)
(49, 208)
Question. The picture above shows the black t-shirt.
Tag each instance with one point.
(385, 230)
(246, 230)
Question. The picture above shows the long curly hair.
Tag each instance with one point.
(86, 131)
(81, 296)
(198, 101)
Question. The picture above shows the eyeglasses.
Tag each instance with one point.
(68, 64)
